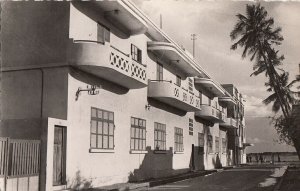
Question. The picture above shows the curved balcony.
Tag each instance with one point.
(107, 62)
(211, 114)
(120, 14)
(229, 123)
(227, 100)
(171, 94)
(171, 54)
(208, 85)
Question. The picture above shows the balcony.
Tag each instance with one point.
(171, 94)
(121, 15)
(107, 62)
(228, 100)
(209, 86)
(211, 114)
(173, 55)
(229, 123)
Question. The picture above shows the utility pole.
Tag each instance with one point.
(193, 38)
(160, 21)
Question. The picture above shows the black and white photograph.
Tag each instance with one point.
(158, 95)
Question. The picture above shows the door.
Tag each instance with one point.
(59, 152)
(199, 153)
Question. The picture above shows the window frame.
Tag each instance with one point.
(160, 128)
(190, 85)
(178, 80)
(191, 126)
(108, 135)
(201, 141)
(159, 72)
(224, 145)
(178, 139)
(142, 134)
(217, 144)
(210, 143)
(136, 53)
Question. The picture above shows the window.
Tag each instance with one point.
(191, 87)
(102, 129)
(209, 101)
(224, 145)
(191, 126)
(159, 72)
(178, 80)
(201, 139)
(217, 144)
(103, 33)
(159, 136)
(200, 96)
(136, 53)
(138, 134)
(178, 139)
(210, 143)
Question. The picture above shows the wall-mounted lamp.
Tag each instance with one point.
(147, 107)
(92, 90)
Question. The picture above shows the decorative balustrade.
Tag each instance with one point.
(170, 93)
(107, 62)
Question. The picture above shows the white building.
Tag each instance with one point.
(155, 111)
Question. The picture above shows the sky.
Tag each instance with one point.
(212, 22)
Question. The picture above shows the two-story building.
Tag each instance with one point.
(111, 96)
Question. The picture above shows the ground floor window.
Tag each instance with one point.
(224, 145)
(201, 139)
(159, 136)
(178, 139)
(217, 144)
(138, 134)
(102, 129)
(210, 143)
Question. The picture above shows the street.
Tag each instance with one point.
(244, 178)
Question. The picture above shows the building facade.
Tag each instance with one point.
(111, 96)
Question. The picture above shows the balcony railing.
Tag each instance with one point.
(210, 113)
(229, 122)
(171, 94)
(107, 62)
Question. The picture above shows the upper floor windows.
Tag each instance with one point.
(159, 72)
(191, 86)
(191, 126)
(136, 53)
(103, 33)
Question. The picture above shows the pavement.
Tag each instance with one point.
(259, 177)
(248, 178)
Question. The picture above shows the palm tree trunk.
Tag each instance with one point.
(274, 82)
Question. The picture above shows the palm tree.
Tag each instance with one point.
(284, 78)
(257, 36)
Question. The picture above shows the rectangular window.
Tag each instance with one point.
(201, 139)
(159, 72)
(210, 143)
(136, 53)
(138, 134)
(224, 145)
(191, 86)
(200, 96)
(159, 136)
(178, 139)
(178, 80)
(191, 126)
(103, 33)
(217, 144)
(102, 129)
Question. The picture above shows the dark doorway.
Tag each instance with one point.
(59, 156)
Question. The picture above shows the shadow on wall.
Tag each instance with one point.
(156, 164)
(80, 183)
(166, 107)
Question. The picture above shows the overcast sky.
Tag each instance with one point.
(212, 22)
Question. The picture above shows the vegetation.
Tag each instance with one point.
(256, 34)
